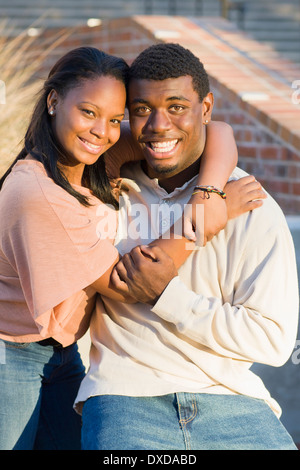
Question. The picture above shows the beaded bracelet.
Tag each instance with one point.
(209, 189)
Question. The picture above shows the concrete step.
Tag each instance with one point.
(273, 8)
(212, 5)
(279, 35)
(255, 10)
(19, 8)
(270, 21)
(272, 25)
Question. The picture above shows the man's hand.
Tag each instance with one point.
(144, 273)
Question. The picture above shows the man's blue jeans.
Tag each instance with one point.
(181, 421)
(38, 386)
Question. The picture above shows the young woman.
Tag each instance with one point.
(52, 261)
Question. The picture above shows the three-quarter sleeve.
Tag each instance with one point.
(54, 245)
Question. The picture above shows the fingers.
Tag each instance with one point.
(244, 181)
(123, 269)
(146, 251)
(256, 194)
(126, 268)
(117, 282)
(156, 253)
(189, 232)
(248, 179)
(248, 187)
(251, 205)
(253, 190)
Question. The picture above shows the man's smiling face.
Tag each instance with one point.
(166, 118)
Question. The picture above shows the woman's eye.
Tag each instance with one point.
(89, 112)
(116, 121)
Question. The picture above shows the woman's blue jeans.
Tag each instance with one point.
(181, 421)
(38, 386)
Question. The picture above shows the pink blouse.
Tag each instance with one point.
(51, 251)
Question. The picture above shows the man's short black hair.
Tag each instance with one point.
(162, 61)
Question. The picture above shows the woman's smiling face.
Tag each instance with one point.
(87, 120)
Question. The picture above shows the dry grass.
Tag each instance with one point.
(21, 59)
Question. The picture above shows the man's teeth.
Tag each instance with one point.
(163, 147)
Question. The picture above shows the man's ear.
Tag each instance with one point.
(208, 104)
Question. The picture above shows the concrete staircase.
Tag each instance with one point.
(273, 22)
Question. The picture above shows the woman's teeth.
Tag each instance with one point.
(92, 146)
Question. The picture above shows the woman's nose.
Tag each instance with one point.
(100, 129)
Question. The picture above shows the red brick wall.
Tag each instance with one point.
(267, 133)
(121, 37)
(262, 152)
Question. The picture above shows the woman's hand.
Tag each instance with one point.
(243, 195)
(204, 217)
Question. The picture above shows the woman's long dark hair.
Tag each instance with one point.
(40, 142)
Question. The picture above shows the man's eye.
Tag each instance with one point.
(177, 108)
(142, 110)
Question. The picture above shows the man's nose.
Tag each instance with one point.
(158, 122)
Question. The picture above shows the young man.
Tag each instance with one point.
(174, 373)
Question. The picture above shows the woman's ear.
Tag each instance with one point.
(52, 99)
